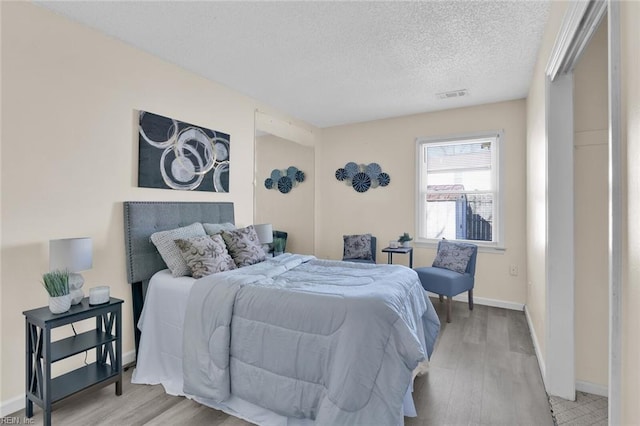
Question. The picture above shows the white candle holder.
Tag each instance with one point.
(98, 295)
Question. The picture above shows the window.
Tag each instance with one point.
(459, 189)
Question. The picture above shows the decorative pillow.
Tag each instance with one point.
(205, 255)
(357, 247)
(244, 246)
(453, 256)
(217, 228)
(165, 243)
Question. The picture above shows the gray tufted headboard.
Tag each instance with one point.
(143, 218)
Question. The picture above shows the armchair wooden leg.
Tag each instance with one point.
(441, 298)
(448, 309)
(471, 300)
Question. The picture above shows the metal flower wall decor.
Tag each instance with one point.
(363, 176)
(284, 180)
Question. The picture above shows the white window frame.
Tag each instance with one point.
(497, 155)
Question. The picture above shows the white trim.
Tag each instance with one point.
(592, 388)
(559, 258)
(12, 405)
(505, 304)
(497, 160)
(616, 181)
(536, 345)
(129, 357)
(16, 404)
(580, 22)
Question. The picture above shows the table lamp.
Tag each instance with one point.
(265, 235)
(73, 255)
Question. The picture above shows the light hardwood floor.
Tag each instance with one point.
(483, 371)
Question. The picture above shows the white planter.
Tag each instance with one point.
(406, 244)
(60, 304)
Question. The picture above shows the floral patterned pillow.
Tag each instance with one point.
(205, 255)
(357, 247)
(244, 246)
(453, 256)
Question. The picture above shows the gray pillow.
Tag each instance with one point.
(243, 245)
(205, 255)
(453, 256)
(357, 247)
(165, 243)
(217, 228)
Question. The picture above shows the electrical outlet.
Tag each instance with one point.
(513, 270)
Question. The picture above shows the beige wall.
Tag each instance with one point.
(536, 165)
(69, 156)
(630, 16)
(591, 184)
(2, 378)
(387, 212)
(292, 212)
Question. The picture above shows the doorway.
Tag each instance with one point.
(580, 24)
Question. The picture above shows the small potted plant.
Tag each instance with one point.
(404, 239)
(57, 285)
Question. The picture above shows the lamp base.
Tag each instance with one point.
(76, 296)
(76, 281)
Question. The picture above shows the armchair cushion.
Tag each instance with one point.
(444, 281)
(357, 247)
(453, 256)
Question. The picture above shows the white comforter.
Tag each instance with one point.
(332, 341)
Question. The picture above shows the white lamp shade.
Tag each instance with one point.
(72, 254)
(265, 233)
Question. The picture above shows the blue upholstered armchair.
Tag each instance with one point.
(453, 272)
(359, 248)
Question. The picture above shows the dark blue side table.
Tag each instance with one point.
(41, 352)
(400, 250)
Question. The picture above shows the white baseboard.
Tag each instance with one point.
(128, 357)
(12, 405)
(592, 388)
(15, 404)
(462, 297)
(536, 345)
(581, 386)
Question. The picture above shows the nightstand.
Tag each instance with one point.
(41, 352)
(400, 250)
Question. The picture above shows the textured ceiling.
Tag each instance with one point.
(332, 63)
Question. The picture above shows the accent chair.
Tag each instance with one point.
(359, 248)
(452, 273)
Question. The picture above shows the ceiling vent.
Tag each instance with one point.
(452, 94)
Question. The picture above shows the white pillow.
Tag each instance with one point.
(168, 249)
(217, 228)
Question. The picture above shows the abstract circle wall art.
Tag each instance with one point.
(181, 156)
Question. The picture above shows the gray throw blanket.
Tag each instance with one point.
(332, 341)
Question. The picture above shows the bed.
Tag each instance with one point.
(291, 340)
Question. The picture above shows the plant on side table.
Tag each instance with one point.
(57, 285)
(404, 239)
